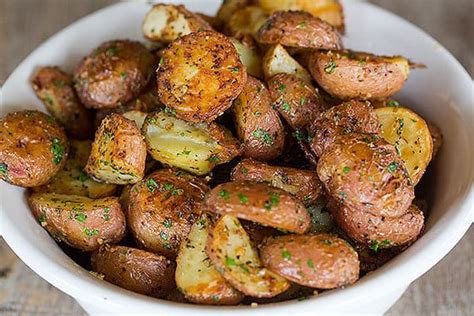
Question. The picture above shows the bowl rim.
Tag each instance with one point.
(83, 286)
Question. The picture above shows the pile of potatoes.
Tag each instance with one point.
(245, 157)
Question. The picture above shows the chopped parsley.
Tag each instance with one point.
(298, 134)
(393, 103)
(264, 135)
(58, 83)
(164, 236)
(343, 196)
(57, 150)
(106, 214)
(302, 101)
(80, 217)
(392, 167)
(170, 111)
(213, 158)
(162, 61)
(302, 25)
(281, 87)
(235, 69)
(243, 198)
(286, 106)
(42, 218)
(48, 100)
(230, 262)
(310, 263)
(401, 123)
(167, 223)
(286, 254)
(112, 51)
(168, 186)
(151, 185)
(3, 169)
(374, 245)
(89, 233)
(82, 177)
(244, 170)
(330, 67)
(346, 170)
(224, 194)
(272, 201)
(123, 75)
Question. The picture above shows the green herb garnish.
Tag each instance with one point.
(346, 170)
(167, 223)
(299, 135)
(243, 198)
(123, 75)
(57, 150)
(272, 201)
(3, 169)
(151, 185)
(286, 106)
(310, 264)
(82, 177)
(230, 262)
(392, 167)
(80, 217)
(168, 186)
(286, 254)
(106, 214)
(264, 135)
(224, 194)
(213, 158)
(330, 67)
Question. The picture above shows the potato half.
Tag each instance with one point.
(231, 252)
(246, 21)
(250, 58)
(277, 60)
(229, 7)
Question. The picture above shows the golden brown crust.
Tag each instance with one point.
(162, 208)
(55, 88)
(199, 76)
(258, 125)
(135, 270)
(229, 7)
(363, 172)
(320, 261)
(298, 29)
(114, 73)
(348, 117)
(245, 21)
(80, 222)
(33, 148)
(261, 203)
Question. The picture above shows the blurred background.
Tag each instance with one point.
(447, 289)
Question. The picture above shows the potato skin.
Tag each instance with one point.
(162, 208)
(55, 88)
(135, 270)
(261, 203)
(348, 117)
(357, 75)
(297, 101)
(33, 148)
(298, 29)
(320, 261)
(80, 222)
(258, 125)
(118, 152)
(437, 137)
(113, 73)
(199, 75)
(363, 172)
(304, 184)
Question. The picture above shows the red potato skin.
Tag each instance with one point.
(249, 200)
(320, 261)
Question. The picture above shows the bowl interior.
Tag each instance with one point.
(442, 93)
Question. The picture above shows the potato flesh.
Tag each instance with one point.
(278, 60)
(137, 116)
(249, 58)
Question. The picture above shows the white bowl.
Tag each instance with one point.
(443, 93)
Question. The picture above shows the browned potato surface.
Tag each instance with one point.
(33, 148)
(298, 29)
(229, 7)
(81, 222)
(55, 88)
(245, 21)
(261, 203)
(135, 270)
(199, 76)
(364, 173)
(297, 101)
(259, 127)
(348, 117)
(320, 261)
(118, 153)
(357, 75)
(304, 184)
(113, 73)
(162, 208)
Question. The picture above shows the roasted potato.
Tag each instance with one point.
(135, 270)
(80, 222)
(195, 147)
(199, 76)
(304, 184)
(277, 60)
(196, 277)
(114, 73)
(258, 233)
(166, 22)
(33, 148)
(321, 218)
(260, 203)
(378, 231)
(213, 21)
(348, 117)
(296, 100)
(229, 7)
(137, 116)
(364, 173)
(55, 88)
(231, 252)
(118, 152)
(246, 21)
(436, 136)
(299, 29)
(258, 125)
(357, 75)
(72, 180)
(250, 58)
(320, 261)
(410, 135)
(162, 209)
(327, 10)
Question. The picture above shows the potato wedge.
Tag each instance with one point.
(277, 60)
(78, 221)
(246, 21)
(250, 58)
(55, 88)
(196, 148)
(162, 208)
(232, 254)
(298, 29)
(137, 116)
(410, 135)
(357, 75)
(304, 184)
(199, 76)
(258, 125)
(196, 277)
(167, 22)
(229, 7)
(320, 261)
(135, 270)
(260, 203)
(118, 152)
(72, 179)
